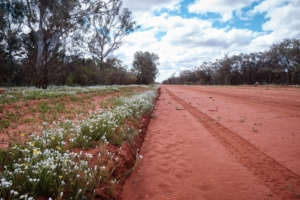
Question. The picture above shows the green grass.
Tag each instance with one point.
(5, 123)
(52, 164)
(44, 107)
(60, 107)
(27, 120)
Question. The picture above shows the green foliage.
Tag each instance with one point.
(109, 31)
(73, 98)
(27, 120)
(60, 107)
(11, 16)
(5, 123)
(44, 107)
(69, 81)
(43, 53)
(145, 67)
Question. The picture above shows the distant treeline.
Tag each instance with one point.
(71, 71)
(278, 65)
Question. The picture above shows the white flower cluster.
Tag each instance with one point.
(45, 161)
(49, 164)
(13, 94)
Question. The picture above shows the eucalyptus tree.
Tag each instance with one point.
(51, 22)
(11, 18)
(224, 70)
(109, 29)
(294, 54)
(145, 67)
(285, 57)
(235, 65)
(205, 73)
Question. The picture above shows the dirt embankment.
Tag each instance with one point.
(221, 143)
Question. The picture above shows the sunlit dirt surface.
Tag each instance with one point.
(220, 143)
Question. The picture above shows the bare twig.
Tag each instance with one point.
(134, 182)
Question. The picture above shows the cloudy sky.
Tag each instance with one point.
(185, 33)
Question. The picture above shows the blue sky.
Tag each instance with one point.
(185, 33)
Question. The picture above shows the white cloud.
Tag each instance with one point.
(146, 6)
(187, 42)
(282, 21)
(285, 16)
(223, 7)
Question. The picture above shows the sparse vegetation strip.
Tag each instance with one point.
(56, 164)
(17, 94)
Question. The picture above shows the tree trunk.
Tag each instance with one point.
(290, 77)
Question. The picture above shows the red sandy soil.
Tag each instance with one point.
(220, 143)
(29, 127)
(20, 127)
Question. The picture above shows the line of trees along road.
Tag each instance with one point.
(278, 65)
(45, 42)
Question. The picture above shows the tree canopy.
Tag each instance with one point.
(109, 30)
(40, 40)
(51, 22)
(11, 18)
(145, 67)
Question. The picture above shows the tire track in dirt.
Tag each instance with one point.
(290, 108)
(282, 181)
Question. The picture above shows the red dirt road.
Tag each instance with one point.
(220, 143)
